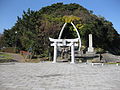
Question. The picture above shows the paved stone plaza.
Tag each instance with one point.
(59, 76)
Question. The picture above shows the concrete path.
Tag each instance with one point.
(59, 76)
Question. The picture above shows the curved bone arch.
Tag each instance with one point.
(76, 32)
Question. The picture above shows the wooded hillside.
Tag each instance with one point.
(35, 27)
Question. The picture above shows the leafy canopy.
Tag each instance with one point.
(71, 18)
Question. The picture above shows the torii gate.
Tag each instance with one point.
(66, 42)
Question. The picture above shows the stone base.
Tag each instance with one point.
(72, 62)
(54, 62)
(90, 49)
(89, 61)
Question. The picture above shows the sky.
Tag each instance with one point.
(10, 9)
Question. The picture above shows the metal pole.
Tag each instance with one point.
(15, 40)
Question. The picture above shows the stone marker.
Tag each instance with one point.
(90, 48)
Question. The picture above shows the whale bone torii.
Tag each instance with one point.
(65, 42)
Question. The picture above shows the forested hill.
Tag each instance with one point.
(34, 28)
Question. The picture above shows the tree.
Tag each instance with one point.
(35, 27)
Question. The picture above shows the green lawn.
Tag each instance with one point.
(5, 58)
(113, 63)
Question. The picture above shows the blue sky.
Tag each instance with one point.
(10, 9)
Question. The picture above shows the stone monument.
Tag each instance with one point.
(90, 48)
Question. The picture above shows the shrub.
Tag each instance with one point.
(9, 49)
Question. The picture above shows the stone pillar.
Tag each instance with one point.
(55, 53)
(72, 53)
(90, 48)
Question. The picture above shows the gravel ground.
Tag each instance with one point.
(59, 76)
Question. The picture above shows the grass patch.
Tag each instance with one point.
(5, 58)
(113, 63)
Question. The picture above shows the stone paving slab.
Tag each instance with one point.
(59, 76)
